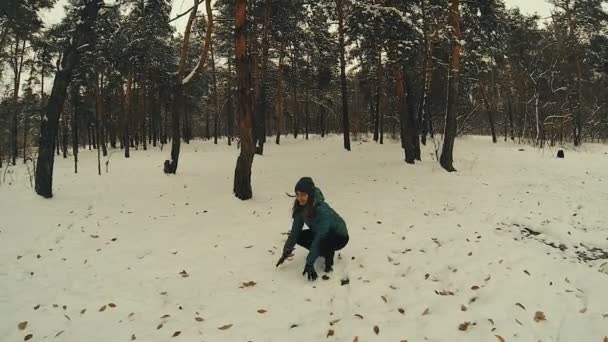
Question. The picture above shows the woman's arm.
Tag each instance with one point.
(296, 228)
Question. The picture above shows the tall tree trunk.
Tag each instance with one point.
(156, 110)
(296, 114)
(75, 99)
(170, 166)
(405, 117)
(489, 110)
(578, 75)
(17, 61)
(242, 172)
(511, 126)
(101, 133)
(322, 119)
(165, 133)
(25, 131)
(536, 113)
(412, 129)
(144, 115)
(279, 105)
(186, 127)
(216, 116)
(71, 58)
(113, 126)
(127, 116)
(64, 131)
(345, 122)
(89, 135)
(260, 117)
(306, 112)
(229, 108)
(425, 105)
(447, 159)
(101, 139)
(379, 76)
(151, 117)
(381, 115)
(98, 81)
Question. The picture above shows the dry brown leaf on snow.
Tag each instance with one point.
(177, 333)
(22, 325)
(159, 326)
(475, 287)
(445, 293)
(102, 308)
(225, 327)
(539, 316)
(262, 311)
(464, 326)
(330, 333)
(376, 329)
(112, 305)
(198, 319)
(426, 312)
(500, 338)
(28, 337)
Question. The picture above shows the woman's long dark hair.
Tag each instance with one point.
(309, 207)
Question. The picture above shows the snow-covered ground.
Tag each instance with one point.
(135, 254)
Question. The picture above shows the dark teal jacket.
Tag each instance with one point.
(325, 224)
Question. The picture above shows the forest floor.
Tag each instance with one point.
(512, 247)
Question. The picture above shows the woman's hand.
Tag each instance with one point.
(310, 270)
(283, 258)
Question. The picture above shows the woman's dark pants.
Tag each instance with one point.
(329, 245)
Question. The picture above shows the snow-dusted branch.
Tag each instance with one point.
(205, 52)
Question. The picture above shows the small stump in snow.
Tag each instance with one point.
(560, 154)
